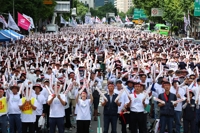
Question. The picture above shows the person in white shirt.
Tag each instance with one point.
(137, 106)
(49, 75)
(14, 112)
(123, 113)
(83, 113)
(179, 92)
(46, 95)
(57, 112)
(41, 110)
(28, 115)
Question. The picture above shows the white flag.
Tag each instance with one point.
(32, 26)
(185, 22)
(126, 19)
(12, 24)
(62, 20)
(2, 20)
(98, 20)
(103, 19)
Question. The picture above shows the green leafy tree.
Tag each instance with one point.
(81, 10)
(130, 11)
(172, 11)
(122, 15)
(101, 11)
(34, 8)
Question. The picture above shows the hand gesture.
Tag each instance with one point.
(58, 96)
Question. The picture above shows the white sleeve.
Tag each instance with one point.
(126, 99)
(20, 102)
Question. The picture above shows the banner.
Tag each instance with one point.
(126, 19)
(32, 26)
(23, 22)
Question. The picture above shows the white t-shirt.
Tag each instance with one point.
(158, 89)
(181, 92)
(57, 110)
(83, 112)
(136, 104)
(13, 101)
(45, 93)
(28, 117)
(41, 100)
(123, 99)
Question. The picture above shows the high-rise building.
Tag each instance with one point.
(123, 5)
(90, 3)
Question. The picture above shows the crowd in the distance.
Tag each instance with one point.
(59, 77)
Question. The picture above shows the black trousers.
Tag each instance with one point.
(83, 126)
(67, 118)
(189, 125)
(47, 115)
(138, 121)
(28, 126)
(123, 120)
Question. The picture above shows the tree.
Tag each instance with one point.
(34, 8)
(101, 11)
(122, 15)
(173, 9)
(130, 11)
(81, 10)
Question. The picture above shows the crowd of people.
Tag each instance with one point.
(59, 76)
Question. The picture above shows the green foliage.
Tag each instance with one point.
(34, 8)
(173, 12)
(175, 28)
(81, 10)
(101, 11)
(130, 11)
(173, 9)
(122, 15)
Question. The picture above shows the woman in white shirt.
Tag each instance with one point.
(57, 112)
(137, 107)
(83, 113)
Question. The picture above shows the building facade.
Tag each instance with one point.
(123, 5)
